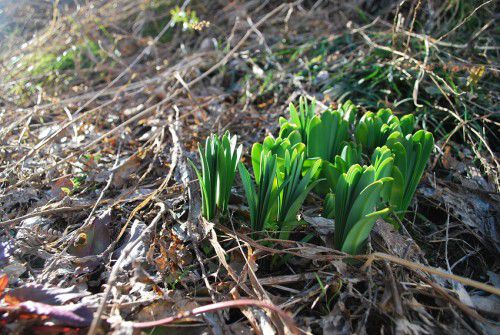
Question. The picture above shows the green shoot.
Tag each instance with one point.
(299, 120)
(276, 146)
(294, 191)
(228, 159)
(354, 207)
(348, 111)
(350, 155)
(411, 154)
(264, 197)
(326, 135)
(373, 129)
(219, 160)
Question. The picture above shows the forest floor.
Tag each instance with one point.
(102, 104)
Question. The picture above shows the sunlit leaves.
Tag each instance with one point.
(373, 129)
(263, 196)
(274, 201)
(326, 135)
(411, 153)
(276, 146)
(350, 155)
(299, 120)
(316, 152)
(354, 206)
(294, 190)
(219, 160)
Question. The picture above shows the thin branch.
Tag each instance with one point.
(218, 306)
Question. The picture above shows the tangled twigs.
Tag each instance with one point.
(221, 305)
(114, 272)
(46, 212)
(144, 52)
(467, 310)
(416, 266)
(147, 110)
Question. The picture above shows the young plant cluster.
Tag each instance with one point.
(364, 168)
(219, 160)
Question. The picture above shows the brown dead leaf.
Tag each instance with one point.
(61, 188)
(11, 300)
(165, 308)
(396, 243)
(169, 254)
(477, 210)
(4, 281)
(95, 239)
(123, 172)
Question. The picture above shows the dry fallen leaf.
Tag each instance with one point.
(95, 239)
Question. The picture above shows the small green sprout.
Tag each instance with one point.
(294, 191)
(326, 135)
(411, 154)
(219, 160)
(263, 198)
(373, 129)
(354, 206)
